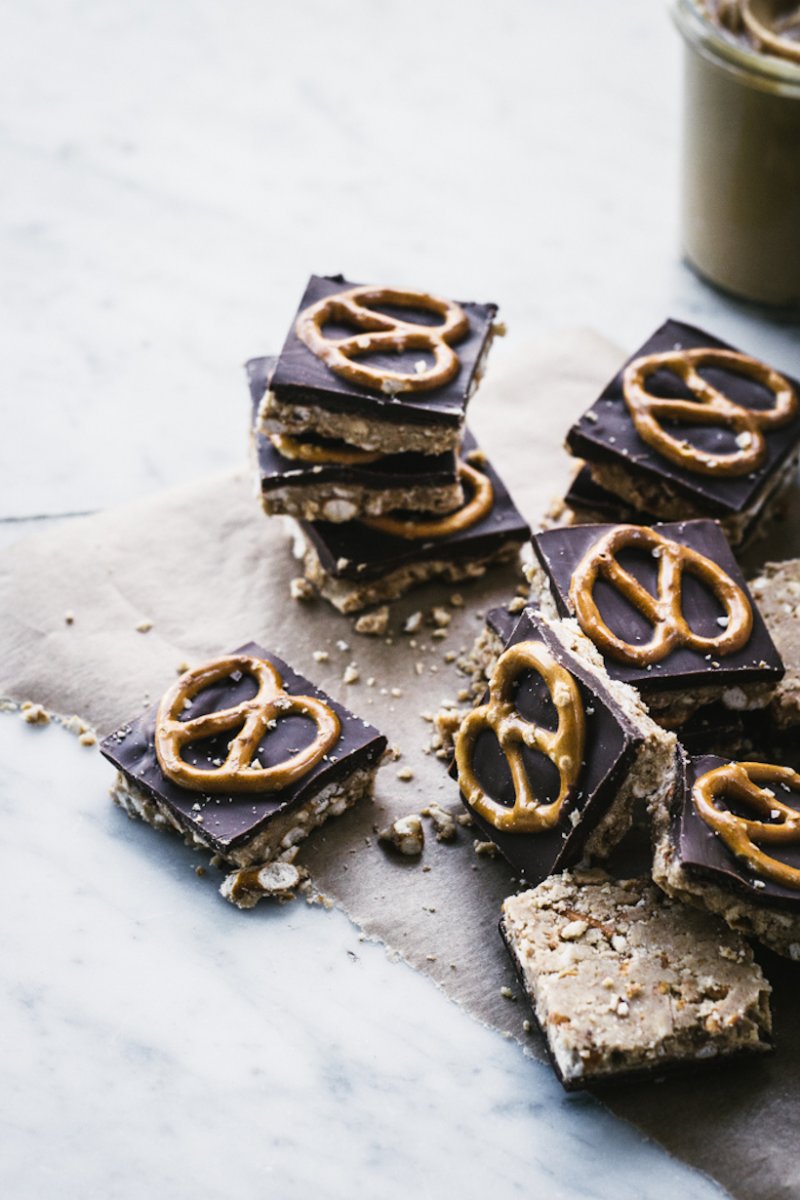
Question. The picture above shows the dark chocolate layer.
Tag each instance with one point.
(227, 821)
(502, 622)
(353, 550)
(606, 432)
(585, 493)
(560, 551)
(703, 854)
(389, 471)
(610, 746)
(303, 378)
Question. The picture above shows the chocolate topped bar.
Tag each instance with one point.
(691, 427)
(667, 605)
(316, 478)
(585, 495)
(550, 763)
(362, 550)
(394, 354)
(238, 744)
(738, 824)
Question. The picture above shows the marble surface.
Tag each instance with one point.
(171, 174)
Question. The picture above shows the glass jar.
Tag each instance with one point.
(741, 163)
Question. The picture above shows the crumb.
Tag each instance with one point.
(69, 617)
(396, 692)
(351, 674)
(516, 605)
(526, 1025)
(413, 623)
(181, 667)
(301, 589)
(457, 600)
(34, 714)
(443, 822)
(507, 993)
(321, 656)
(486, 849)
(405, 835)
(200, 871)
(342, 645)
(144, 626)
(441, 617)
(88, 738)
(373, 623)
(464, 819)
(405, 774)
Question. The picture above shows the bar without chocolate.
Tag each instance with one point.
(691, 427)
(386, 369)
(244, 757)
(624, 982)
(320, 479)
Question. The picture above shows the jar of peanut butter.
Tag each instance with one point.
(741, 153)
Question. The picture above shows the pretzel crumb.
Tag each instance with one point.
(144, 626)
(34, 714)
(373, 623)
(301, 589)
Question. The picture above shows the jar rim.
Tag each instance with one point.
(701, 31)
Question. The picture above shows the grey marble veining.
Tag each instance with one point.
(158, 1042)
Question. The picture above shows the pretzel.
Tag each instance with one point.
(311, 452)
(664, 612)
(778, 38)
(252, 717)
(563, 746)
(741, 781)
(710, 408)
(473, 510)
(384, 334)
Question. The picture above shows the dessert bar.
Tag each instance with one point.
(625, 982)
(319, 479)
(777, 593)
(730, 843)
(691, 427)
(385, 369)
(668, 608)
(370, 561)
(553, 761)
(245, 758)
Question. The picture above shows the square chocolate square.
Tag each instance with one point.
(720, 648)
(574, 755)
(366, 562)
(302, 377)
(318, 478)
(231, 820)
(641, 466)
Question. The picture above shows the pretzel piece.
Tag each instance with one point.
(478, 506)
(711, 408)
(664, 611)
(747, 782)
(384, 334)
(563, 746)
(251, 717)
(311, 452)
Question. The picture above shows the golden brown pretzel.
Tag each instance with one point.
(386, 334)
(311, 452)
(710, 407)
(778, 37)
(744, 781)
(254, 716)
(478, 506)
(664, 612)
(563, 746)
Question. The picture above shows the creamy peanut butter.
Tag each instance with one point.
(741, 182)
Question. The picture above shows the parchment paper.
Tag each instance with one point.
(210, 572)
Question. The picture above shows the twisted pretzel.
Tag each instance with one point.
(664, 612)
(563, 746)
(473, 510)
(740, 781)
(255, 716)
(384, 333)
(778, 37)
(711, 407)
(310, 452)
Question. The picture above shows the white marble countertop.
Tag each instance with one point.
(171, 174)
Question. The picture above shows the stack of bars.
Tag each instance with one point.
(359, 434)
(633, 755)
